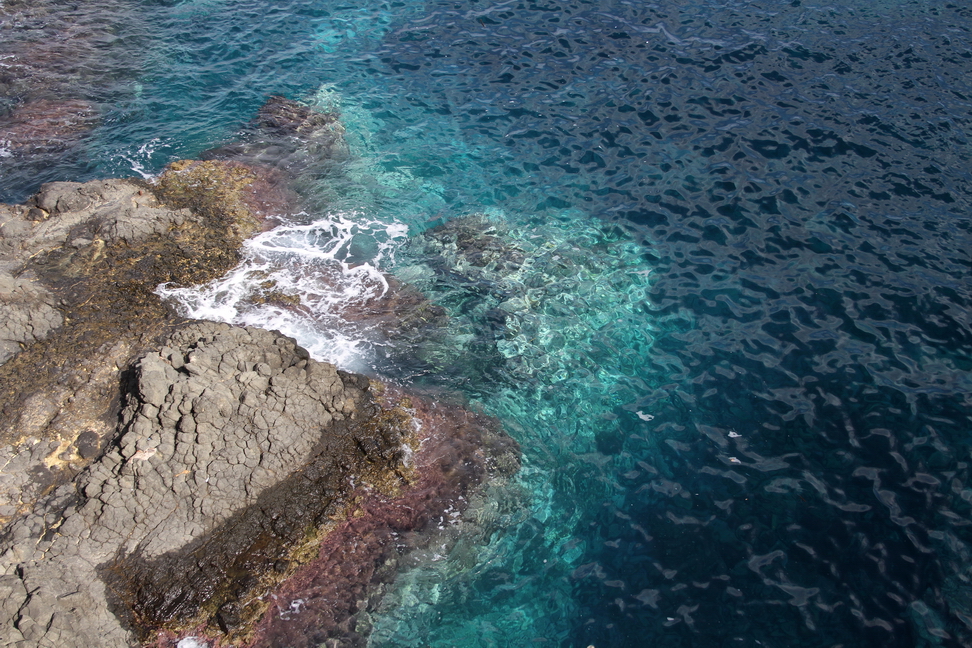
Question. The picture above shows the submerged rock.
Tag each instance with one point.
(289, 136)
(46, 126)
(475, 247)
(282, 116)
(476, 266)
(518, 295)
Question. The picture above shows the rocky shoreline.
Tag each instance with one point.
(165, 478)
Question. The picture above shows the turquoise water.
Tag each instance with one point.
(725, 304)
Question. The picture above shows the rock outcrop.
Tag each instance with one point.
(82, 214)
(30, 313)
(242, 473)
(78, 267)
(233, 445)
(164, 478)
(291, 137)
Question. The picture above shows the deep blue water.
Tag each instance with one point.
(735, 345)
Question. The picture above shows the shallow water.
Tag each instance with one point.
(726, 311)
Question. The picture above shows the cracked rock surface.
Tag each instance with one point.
(218, 420)
(30, 313)
(78, 266)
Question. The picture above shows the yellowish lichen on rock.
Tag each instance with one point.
(221, 192)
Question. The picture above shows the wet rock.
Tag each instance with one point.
(289, 136)
(79, 264)
(401, 312)
(231, 193)
(329, 599)
(391, 312)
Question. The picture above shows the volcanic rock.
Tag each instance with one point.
(231, 446)
(78, 267)
(166, 478)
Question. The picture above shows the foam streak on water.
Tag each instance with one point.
(301, 279)
(139, 158)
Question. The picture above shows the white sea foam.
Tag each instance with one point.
(141, 157)
(301, 279)
(192, 642)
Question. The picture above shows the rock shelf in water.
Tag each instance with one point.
(165, 477)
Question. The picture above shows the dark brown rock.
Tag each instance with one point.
(281, 116)
(289, 136)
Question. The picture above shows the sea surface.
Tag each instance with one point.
(725, 308)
